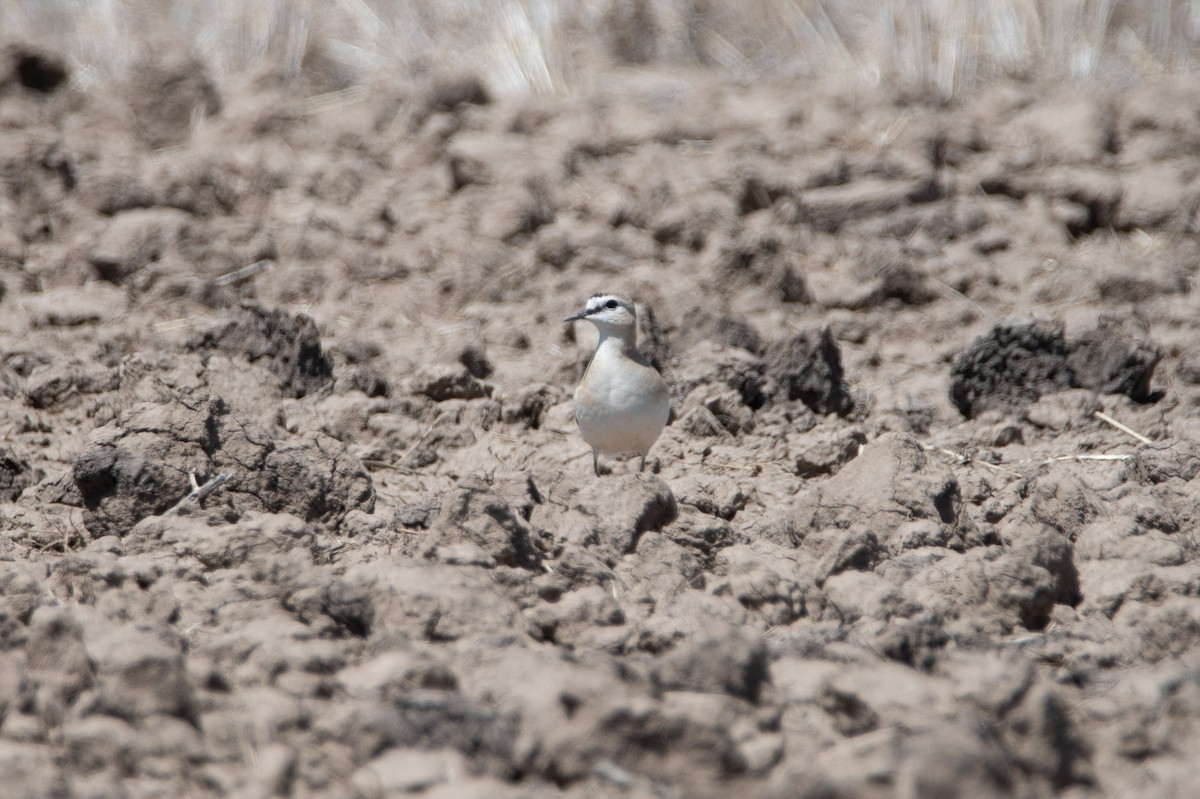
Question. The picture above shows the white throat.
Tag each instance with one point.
(624, 338)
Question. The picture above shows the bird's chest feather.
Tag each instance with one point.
(613, 388)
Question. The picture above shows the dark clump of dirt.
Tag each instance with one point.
(288, 345)
(808, 367)
(152, 458)
(1019, 361)
(169, 96)
(31, 68)
(1016, 362)
(15, 475)
(1115, 358)
(449, 94)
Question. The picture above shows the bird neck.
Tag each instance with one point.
(621, 340)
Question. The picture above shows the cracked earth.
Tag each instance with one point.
(924, 522)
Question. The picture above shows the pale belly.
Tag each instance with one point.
(615, 418)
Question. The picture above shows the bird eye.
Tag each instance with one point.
(610, 304)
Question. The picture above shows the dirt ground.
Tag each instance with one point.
(923, 524)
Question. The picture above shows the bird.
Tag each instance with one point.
(622, 403)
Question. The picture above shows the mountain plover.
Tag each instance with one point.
(622, 403)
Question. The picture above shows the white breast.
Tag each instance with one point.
(621, 405)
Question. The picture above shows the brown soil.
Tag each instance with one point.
(889, 544)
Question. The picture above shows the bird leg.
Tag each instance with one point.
(596, 462)
(642, 468)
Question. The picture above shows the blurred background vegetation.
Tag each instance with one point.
(937, 48)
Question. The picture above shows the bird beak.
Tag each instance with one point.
(577, 316)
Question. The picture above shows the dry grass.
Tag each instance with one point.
(939, 47)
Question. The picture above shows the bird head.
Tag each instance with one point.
(608, 311)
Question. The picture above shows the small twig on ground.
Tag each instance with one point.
(1088, 458)
(413, 446)
(177, 324)
(318, 393)
(331, 101)
(1104, 417)
(958, 296)
(238, 275)
(964, 458)
(710, 419)
(499, 460)
(198, 493)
